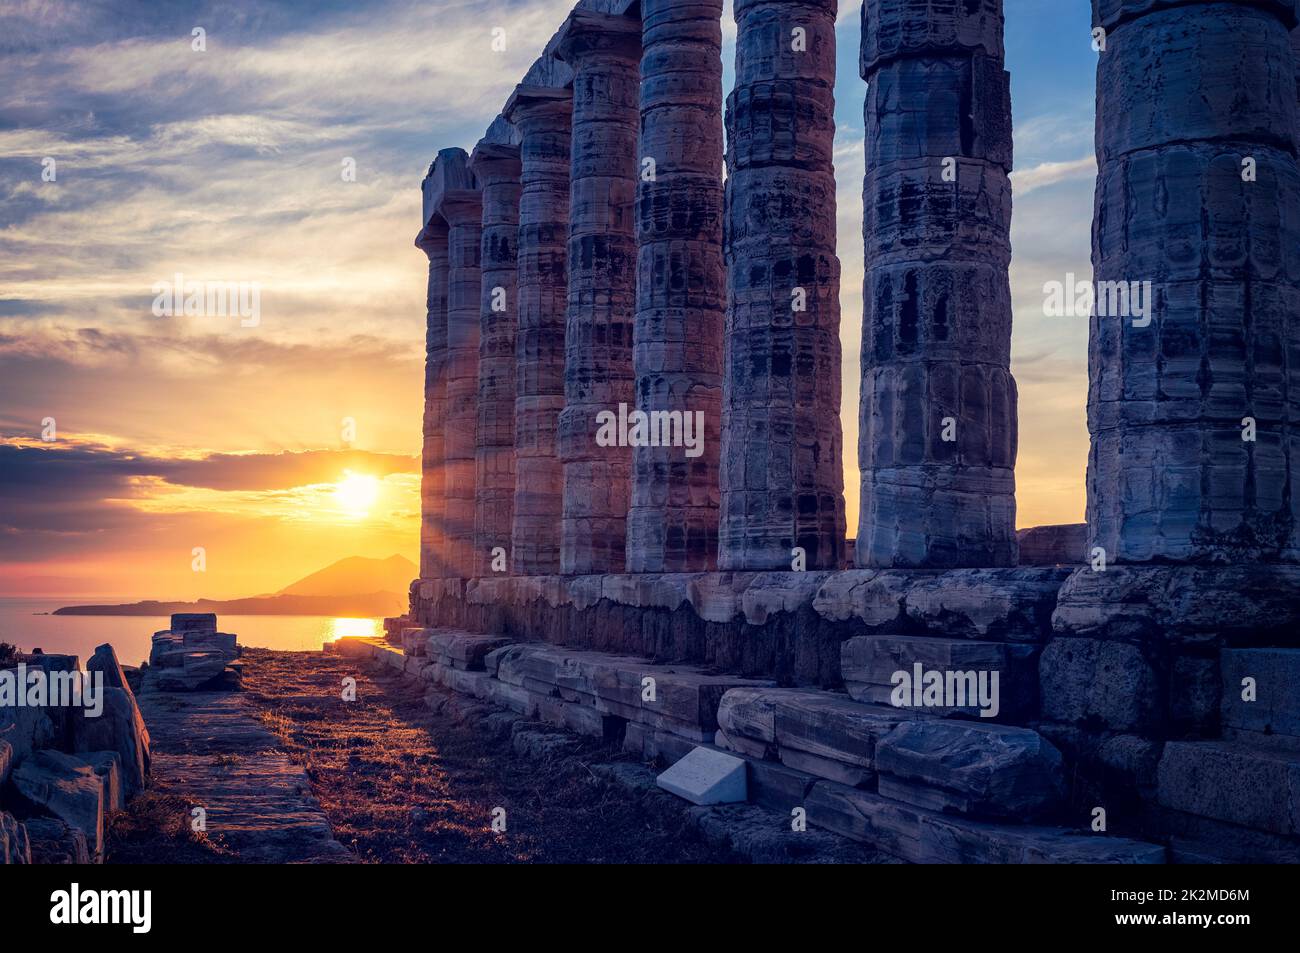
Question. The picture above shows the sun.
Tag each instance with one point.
(356, 493)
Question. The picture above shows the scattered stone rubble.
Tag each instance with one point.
(192, 655)
(64, 769)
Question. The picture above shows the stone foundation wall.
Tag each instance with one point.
(783, 625)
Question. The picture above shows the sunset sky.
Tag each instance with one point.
(224, 165)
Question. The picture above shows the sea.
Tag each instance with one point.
(28, 624)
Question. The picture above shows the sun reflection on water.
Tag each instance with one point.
(339, 628)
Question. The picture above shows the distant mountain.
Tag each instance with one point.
(356, 574)
(355, 586)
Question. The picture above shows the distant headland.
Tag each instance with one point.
(355, 586)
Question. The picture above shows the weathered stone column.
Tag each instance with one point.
(681, 286)
(463, 210)
(496, 169)
(605, 53)
(937, 419)
(432, 240)
(782, 482)
(541, 117)
(1194, 396)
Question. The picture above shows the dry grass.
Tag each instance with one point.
(402, 785)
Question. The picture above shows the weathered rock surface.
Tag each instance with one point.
(1087, 681)
(190, 658)
(1274, 710)
(70, 789)
(974, 769)
(53, 841)
(1183, 95)
(541, 116)
(681, 286)
(605, 53)
(924, 836)
(14, 846)
(782, 480)
(1232, 783)
(462, 208)
(937, 425)
(1182, 604)
(869, 665)
(496, 168)
(432, 240)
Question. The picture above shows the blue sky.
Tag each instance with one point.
(224, 165)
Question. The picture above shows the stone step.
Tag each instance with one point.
(1234, 783)
(461, 649)
(1272, 718)
(942, 676)
(972, 768)
(931, 837)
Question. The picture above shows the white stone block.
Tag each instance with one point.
(707, 776)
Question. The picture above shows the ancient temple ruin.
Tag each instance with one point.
(1127, 692)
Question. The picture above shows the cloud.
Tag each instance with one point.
(1049, 173)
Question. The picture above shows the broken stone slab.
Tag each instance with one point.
(415, 640)
(465, 650)
(25, 729)
(928, 837)
(68, 788)
(1182, 604)
(53, 841)
(120, 728)
(707, 776)
(14, 845)
(108, 766)
(835, 727)
(828, 769)
(1275, 673)
(869, 665)
(742, 745)
(1232, 783)
(973, 769)
(1087, 680)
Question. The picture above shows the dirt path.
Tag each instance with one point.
(400, 784)
(212, 753)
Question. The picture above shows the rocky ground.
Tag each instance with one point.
(401, 784)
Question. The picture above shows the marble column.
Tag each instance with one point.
(1194, 396)
(432, 240)
(681, 285)
(604, 52)
(496, 168)
(782, 475)
(937, 418)
(541, 117)
(463, 210)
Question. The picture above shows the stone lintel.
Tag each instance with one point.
(448, 173)
(586, 33)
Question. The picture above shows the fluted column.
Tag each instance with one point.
(463, 210)
(1194, 399)
(540, 116)
(937, 419)
(782, 477)
(604, 52)
(432, 240)
(681, 285)
(496, 168)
